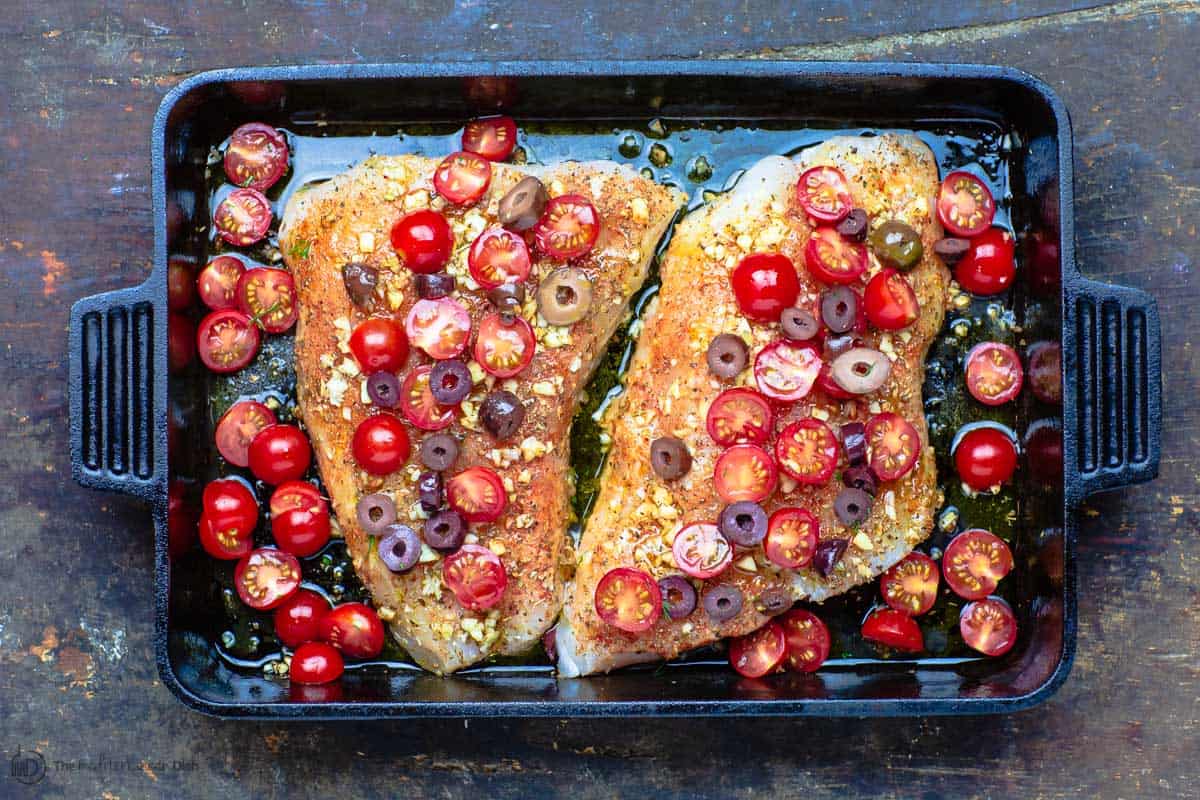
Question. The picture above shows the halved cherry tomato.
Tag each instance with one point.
(423, 241)
(462, 178)
(268, 296)
(181, 288)
(227, 340)
(806, 638)
(498, 256)
(237, 428)
(890, 301)
(353, 628)
(477, 494)
(418, 404)
(280, 453)
(231, 512)
(740, 416)
(701, 550)
(299, 518)
(965, 206)
(994, 374)
(764, 284)
(911, 585)
(807, 450)
(243, 217)
(316, 663)
(218, 282)
(257, 156)
(295, 494)
(181, 341)
(568, 228)
(297, 618)
(628, 599)
(759, 653)
(988, 267)
(792, 536)
(894, 629)
(380, 445)
(824, 194)
(988, 626)
(504, 345)
(378, 344)
(227, 544)
(985, 457)
(491, 137)
(744, 472)
(265, 577)
(832, 258)
(1043, 263)
(1044, 453)
(181, 521)
(974, 562)
(1045, 371)
(439, 327)
(787, 370)
(476, 575)
(893, 445)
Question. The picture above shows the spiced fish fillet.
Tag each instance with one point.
(669, 389)
(348, 219)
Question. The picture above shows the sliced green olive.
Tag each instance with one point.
(565, 296)
(897, 245)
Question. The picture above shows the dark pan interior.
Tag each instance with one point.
(202, 113)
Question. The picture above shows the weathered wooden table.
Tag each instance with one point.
(79, 87)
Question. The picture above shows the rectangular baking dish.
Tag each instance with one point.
(1110, 414)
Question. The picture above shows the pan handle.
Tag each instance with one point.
(117, 388)
(1112, 363)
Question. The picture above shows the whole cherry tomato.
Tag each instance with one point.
(280, 453)
(423, 241)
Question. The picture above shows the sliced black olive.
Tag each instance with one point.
(669, 458)
(439, 451)
(445, 530)
(501, 414)
(897, 244)
(798, 325)
(727, 355)
(854, 226)
(723, 602)
(384, 389)
(400, 548)
(852, 506)
(829, 552)
(679, 596)
(431, 287)
(862, 477)
(854, 442)
(565, 296)
(508, 296)
(375, 512)
(522, 206)
(360, 280)
(449, 381)
(839, 308)
(951, 249)
(860, 370)
(743, 523)
(430, 491)
(775, 600)
(836, 345)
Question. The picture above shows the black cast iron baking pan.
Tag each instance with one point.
(123, 403)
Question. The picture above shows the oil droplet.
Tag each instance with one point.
(961, 328)
(631, 145)
(699, 170)
(657, 129)
(228, 639)
(660, 156)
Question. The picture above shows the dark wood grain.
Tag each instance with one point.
(77, 93)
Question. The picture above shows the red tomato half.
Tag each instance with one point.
(379, 344)
(232, 511)
(243, 217)
(256, 156)
(423, 241)
(181, 288)
(807, 450)
(498, 256)
(227, 340)
(418, 404)
(759, 653)
(477, 494)
(280, 453)
(792, 536)
(911, 585)
(462, 178)
(824, 194)
(786, 370)
(476, 576)
(504, 345)
(265, 577)
(439, 327)
(974, 562)
(491, 137)
(1045, 371)
(227, 544)
(181, 521)
(316, 663)
(353, 628)
(303, 529)
(988, 626)
(988, 267)
(380, 444)
(965, 205)
(237, 428)
(893, 446)
(628, 599)
(764, 284)
(994, 374)
(290, 495)
(181, 341)
(890, 301)
(806, 638)
(218, 282)
(268, 296)
(831, 258)
(568, 228)
(985, 457)
(894, 629)
(297, 618)
(701, 550)
(740, 416)
(744, 472)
